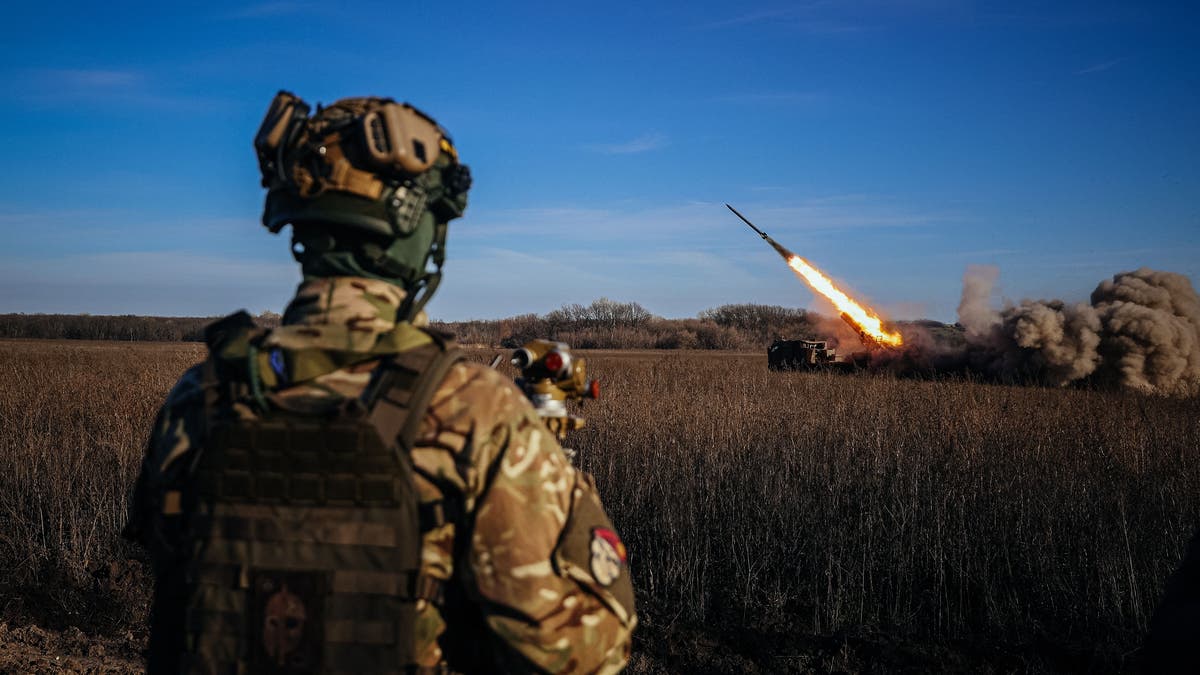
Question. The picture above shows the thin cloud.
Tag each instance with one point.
(773, 97)
(805, 19)
(105, 229)
(663, 257)
(1051, 15)
(644, 143)
(124, 87)
(171, 283)
(830, 27)
(699, 222)
(989, 253)
(1100, 67)
(494, 282)
(52, 217)
(81, 79)
(847, 198)
(750, 17)
(264, 10)
(146, 267)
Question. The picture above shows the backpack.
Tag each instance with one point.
(301, 546)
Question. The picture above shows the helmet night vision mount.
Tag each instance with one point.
(368, 186)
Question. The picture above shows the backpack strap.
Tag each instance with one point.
(397, 402)
(402, 392)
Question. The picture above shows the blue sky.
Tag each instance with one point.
(891, 143)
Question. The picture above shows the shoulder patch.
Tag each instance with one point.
(607, 556)
(590, 551)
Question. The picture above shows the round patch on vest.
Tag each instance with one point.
(608, 555)
(286, 613)
(283, 625)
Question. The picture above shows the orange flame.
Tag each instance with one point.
(862, 317)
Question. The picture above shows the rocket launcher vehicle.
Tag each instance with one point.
(867, 339)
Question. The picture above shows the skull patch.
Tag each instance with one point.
(283, 625)
(287, 622)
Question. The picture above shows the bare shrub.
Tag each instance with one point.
(764, 323)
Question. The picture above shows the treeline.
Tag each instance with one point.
(607, 324)
(603, 324)
(124, 327)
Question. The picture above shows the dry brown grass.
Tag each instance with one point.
(73, 420)
(775, 521)
(1014, 523)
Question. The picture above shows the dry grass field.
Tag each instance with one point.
(776, 522)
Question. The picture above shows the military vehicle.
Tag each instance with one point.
(817, 354)
(802, 355)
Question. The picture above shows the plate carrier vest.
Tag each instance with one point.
(304, 530)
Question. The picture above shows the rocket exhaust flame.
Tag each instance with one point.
(862, 318)
(869, 325)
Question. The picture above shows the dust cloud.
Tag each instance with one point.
(1140, 330)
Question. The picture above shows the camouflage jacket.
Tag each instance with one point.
(480, 442)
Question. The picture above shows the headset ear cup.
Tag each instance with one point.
(458, 178)
(452, 199)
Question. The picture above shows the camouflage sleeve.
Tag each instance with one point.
(173, 436)
(543, 559)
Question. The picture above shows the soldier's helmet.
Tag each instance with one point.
(368, 186)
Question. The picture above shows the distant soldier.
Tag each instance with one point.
(344, 493)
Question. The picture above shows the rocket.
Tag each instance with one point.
(870, 327)
(774, 244)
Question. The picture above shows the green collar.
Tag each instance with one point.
(289, 355)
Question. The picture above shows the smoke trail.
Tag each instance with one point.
(1141, 330)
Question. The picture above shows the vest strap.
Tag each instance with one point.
(431, 515)
(405, 389)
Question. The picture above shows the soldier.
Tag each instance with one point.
(344, 493)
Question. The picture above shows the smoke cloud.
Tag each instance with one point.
(974, 311)
(1151, 338)
(1141, 330)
